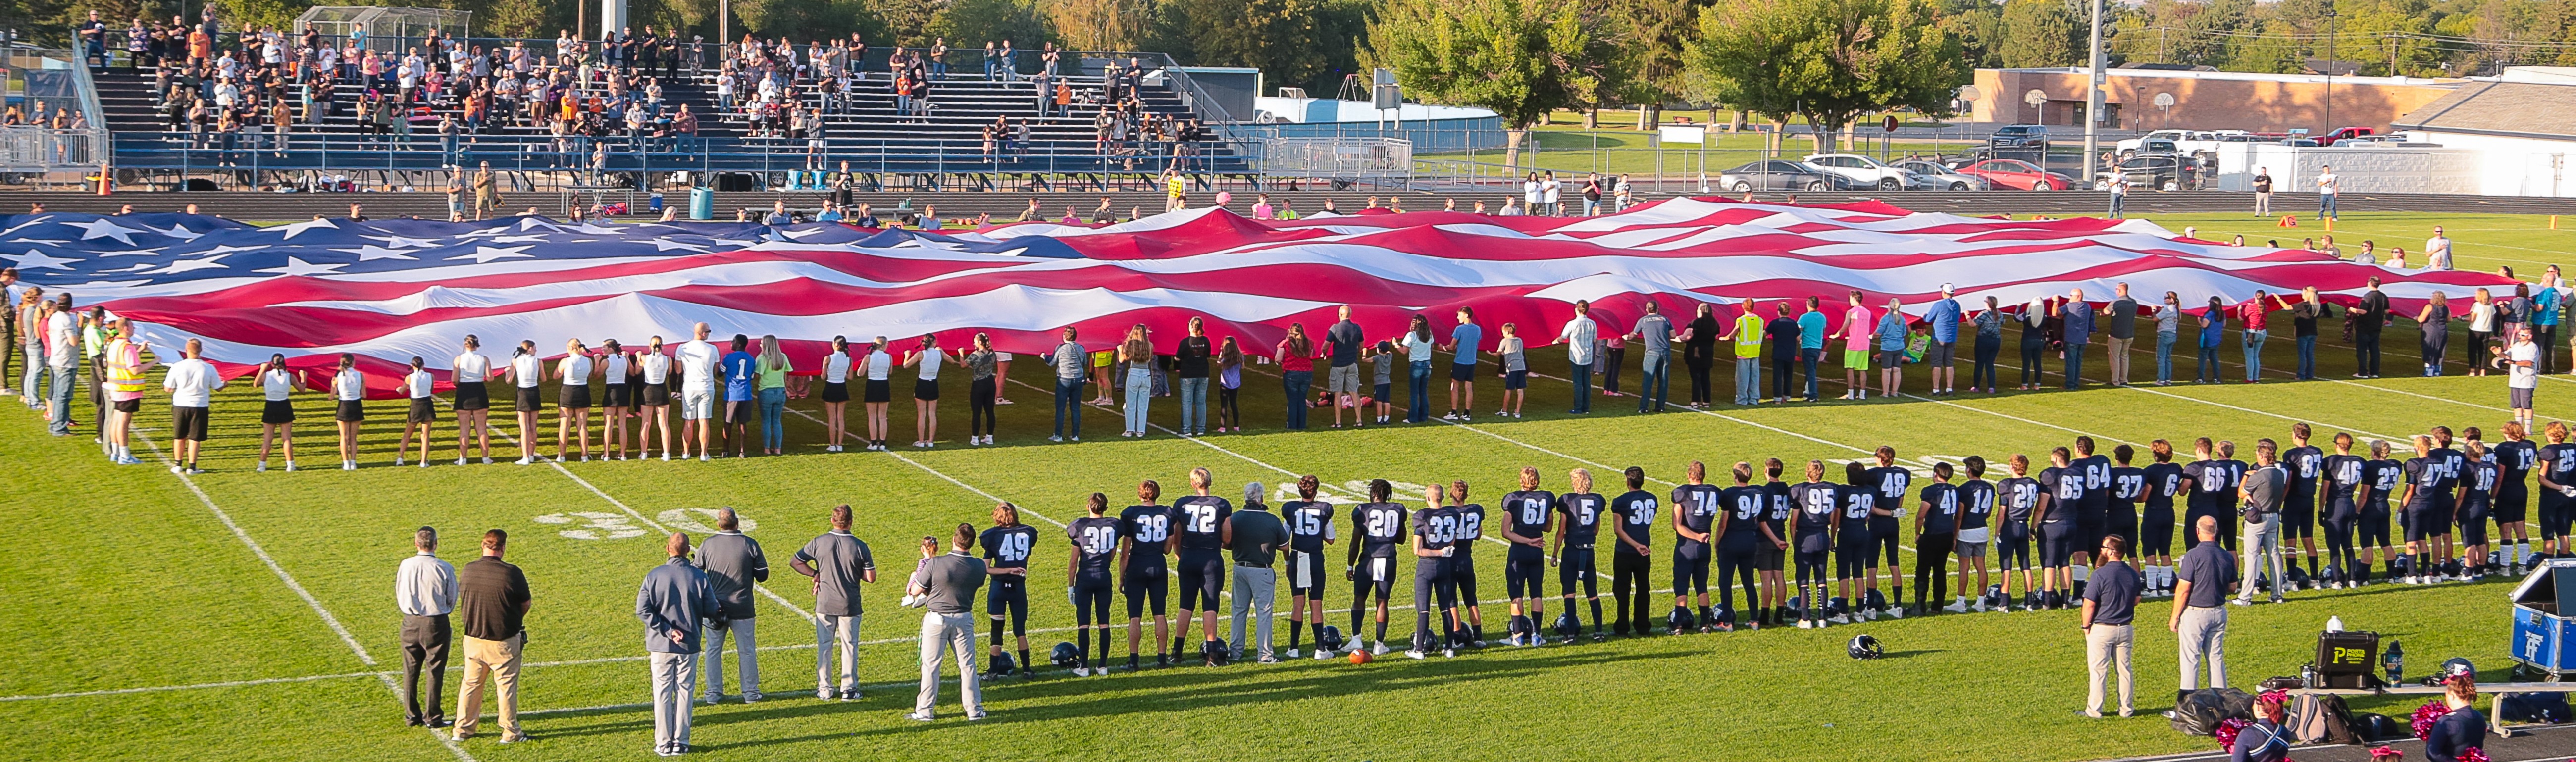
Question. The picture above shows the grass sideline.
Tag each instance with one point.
(131, 568)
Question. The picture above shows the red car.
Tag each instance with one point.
(2017, 175)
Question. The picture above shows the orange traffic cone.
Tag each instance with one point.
(106, 180)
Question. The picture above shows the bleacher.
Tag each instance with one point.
(941, 147)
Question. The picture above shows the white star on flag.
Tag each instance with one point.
(106, 228)
(400, 242)
(485, 254)
(297, 266)
(662, 244)
(180, 232)
(226, 249)
(297, 229)
(37, 260)
(372, 252)
(520, 239)
(186, 265)
(134, 252)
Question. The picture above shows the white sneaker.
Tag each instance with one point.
(1449, 417)
(1380, 650)
(290, 465)
(525, 461)
(459, 461)
(1448, 653)
(487, 460)
(424, 464)
(1839, 619)
(348, 465)
(261, 469)
(1806, 625)
(1081, 672)
(1412, 653)
(1960, 607)
(666, 457)
(702, 458)
(1323, 654)
(398, 460)
(1292, 653)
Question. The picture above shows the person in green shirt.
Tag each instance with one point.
(772, 390)
(1747, 333)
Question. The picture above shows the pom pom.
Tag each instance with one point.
(2473, 754)
(2227, 732)
(2425, 716)
(2385, 754)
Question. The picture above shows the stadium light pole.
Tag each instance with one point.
(2093, 97)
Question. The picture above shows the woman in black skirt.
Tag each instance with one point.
(836, 394)
(879, 392)
(925, 390)
(349, 391)
(277, 420)
(982, 390)
(653, 394)
(616, 373)
(572, 404)
(527, 374)
(417, 385)
(472, 373)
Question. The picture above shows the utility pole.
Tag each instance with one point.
(2330, 65)
(2092, 98)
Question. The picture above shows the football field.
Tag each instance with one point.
(242, 615)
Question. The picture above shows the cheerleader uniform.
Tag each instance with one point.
(836, 377)
(471, 370)
(531, 375)
(576, 383)
(879, 365)
(927, 388)
(422, 409)
(657, 379)
(275, 385)
(349, 387)
(619, 393)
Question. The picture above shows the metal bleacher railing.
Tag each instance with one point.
(55, 78)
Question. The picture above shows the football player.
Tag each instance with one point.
(1573, 555)
(1086, 579)
(1462, 561)
(2092, 511)
(2514, 457)
(1199, 532)
(1936, 531)
(2061, 491)
(2209, 483)
(1695, 509)
(2128, 486)
(1852, 545)
(2339, 486)
(2424, 516)
(1885, 530)
(2446, 499)
(1007, 545)
(1143, 575)
(2477, 501)
(1435, 535)
(1976, 510)
(2156, 517)
(1819, 512)
(2299, 510)
(1739, 531)
(1310, 528)
(2382, 476)
(1770, 556)
(2018, 496)
(2557, 490)
(1530, 512)
(1371, 565)
(1634, 529)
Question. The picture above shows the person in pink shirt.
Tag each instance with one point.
(1261, 209)
(1858, 325)
(2253, 312)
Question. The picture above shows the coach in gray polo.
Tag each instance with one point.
(1655, 333)
(838, 562)
(733, 563)
(674, 598)
(425, 591)
(2203, 577)
(946, 584)
(1255, 536)
(2260, 493)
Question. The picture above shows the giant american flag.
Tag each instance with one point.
(388, 290)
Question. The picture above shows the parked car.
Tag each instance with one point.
(2016, 174)
(2346, 133)
(2019, 136)
(1937, 177)
(1863, 171)
(2154, 172)
(1780, 175)
(2133, 145)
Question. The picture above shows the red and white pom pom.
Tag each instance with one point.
(2424, 717)
(2227, 731)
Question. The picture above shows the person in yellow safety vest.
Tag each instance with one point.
(1747, 333)
(124, 386)
(1174, 189)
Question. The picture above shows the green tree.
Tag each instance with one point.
(1650, 35)
(1522, 59)
(2040, 33)
(900, 22)
(1102, 24)
(1831, 61)
(1303, 43)
(971, 23)
(1978, 25)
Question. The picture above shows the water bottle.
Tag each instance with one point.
(2394, 661)
(2334, 624)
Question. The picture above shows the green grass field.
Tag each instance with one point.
(238, 615)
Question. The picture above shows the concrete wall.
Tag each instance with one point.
(2203, 100)
(2531, 168)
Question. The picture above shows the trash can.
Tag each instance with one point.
(656, 202)
(702, 203)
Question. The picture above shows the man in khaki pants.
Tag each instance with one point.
(2110, 605)
(493, 596)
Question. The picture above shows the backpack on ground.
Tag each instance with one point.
(2321, 719)
(2542, 708)
(2199, 712)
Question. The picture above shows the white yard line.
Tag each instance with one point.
(197, 686)
(327, 618)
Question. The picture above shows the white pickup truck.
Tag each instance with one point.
(2186, 142)
(1863, 171)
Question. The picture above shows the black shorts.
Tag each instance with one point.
(574, 397)
(2426, 522)
(656, 395)
(878, 391)
(277, 411)
(531, 399)
(2155, 533)
(1577, 563)
(2372, 530)
(188, 423)
(1768, 557)
(2124, 525)
(1462, 575)
(2056, 543)
(1143, 584)
(618, 395)
(351, 411)
(1462, 371)
(2512, 502)
(836, 391)
(1201, 574)
(473, 395)
(1309, 564)
(1515, 380)
(926, 390)
(2088, 533)
(2299, 519)
(1882, 542)
(423, 410)
(2012, 546)
(740, 412)
(1690, 567)
(1008, 596)
(1523, 571)
(2473, 526)
(1852, 557)
(127, 406)
(1375, 573)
